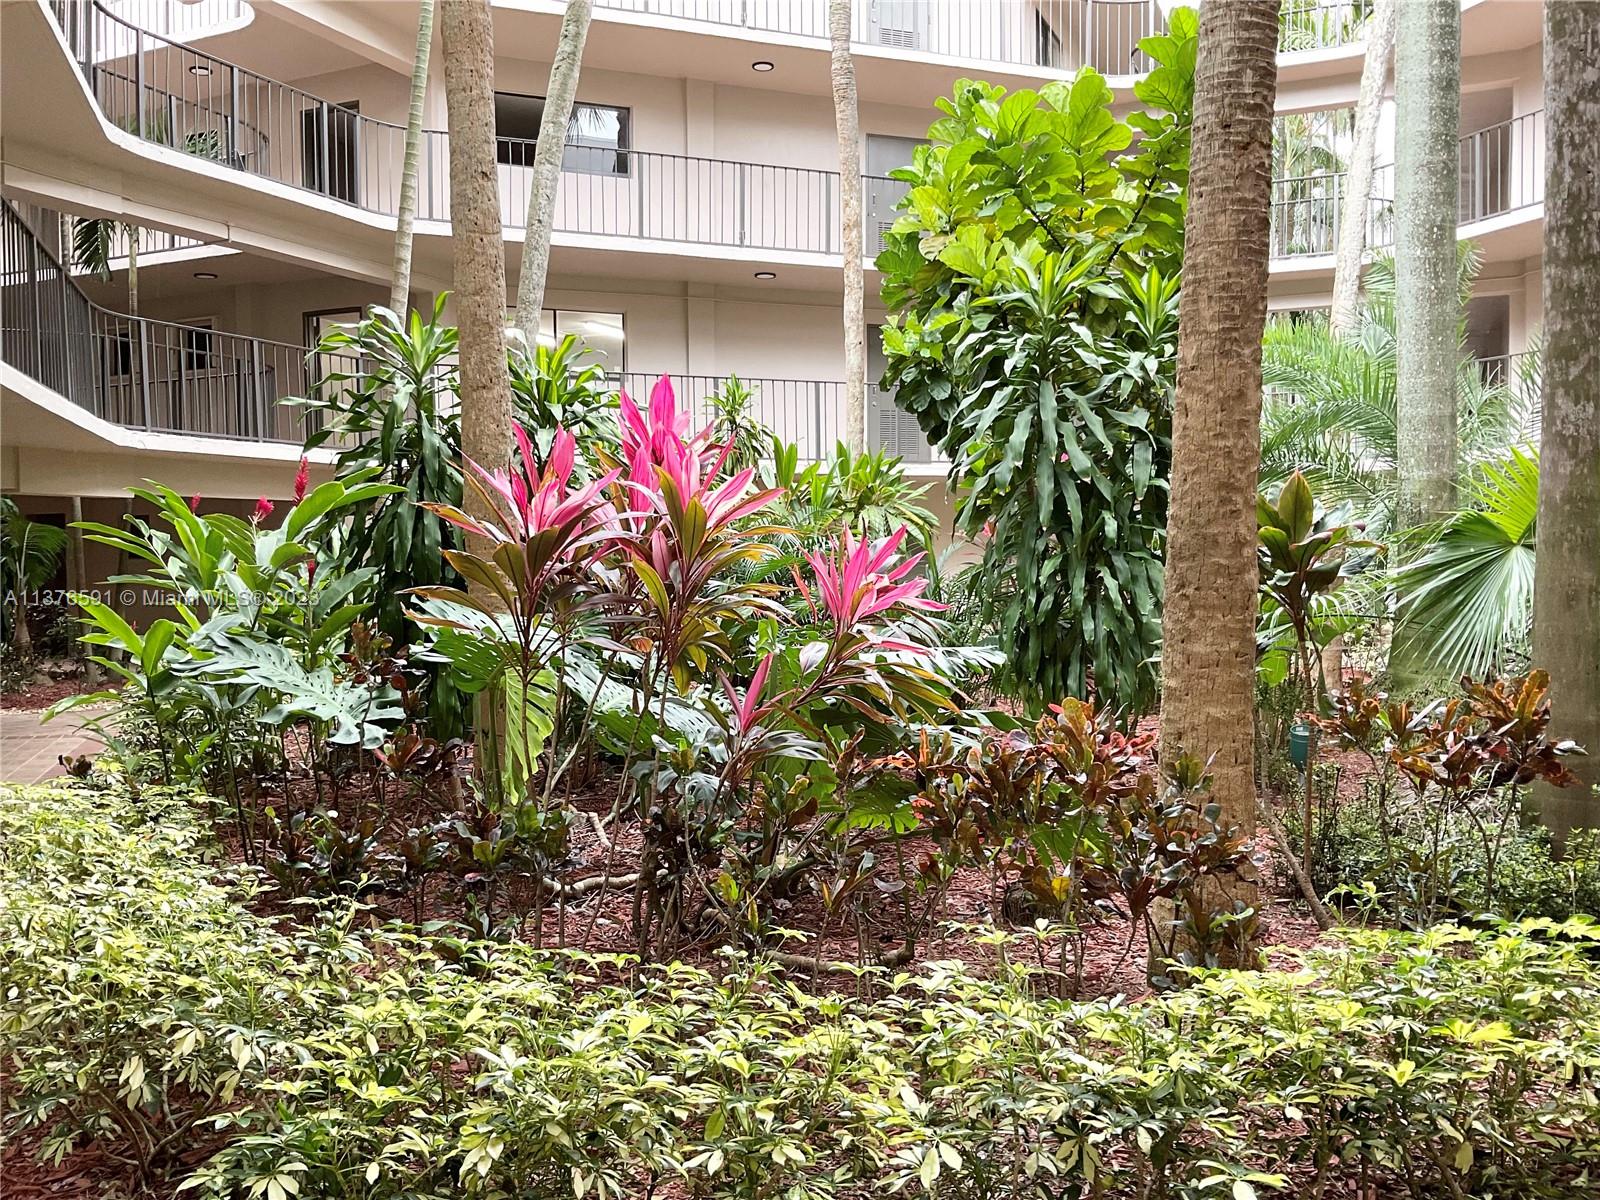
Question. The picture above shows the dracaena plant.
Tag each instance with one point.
(1031, 281)
(387, 403)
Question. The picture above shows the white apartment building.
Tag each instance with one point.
(256, 146)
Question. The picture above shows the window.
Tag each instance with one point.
(600, 332)
(196, 343)
(1046, 42)
(597, 135)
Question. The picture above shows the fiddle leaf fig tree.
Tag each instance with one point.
(1032, 283)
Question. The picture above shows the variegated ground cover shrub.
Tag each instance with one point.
(147, 1008)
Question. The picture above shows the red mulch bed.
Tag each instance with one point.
(41, 694)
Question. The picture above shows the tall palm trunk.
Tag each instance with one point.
(1355, 211)
(1566, 585)
(133, 270)
(1427, 88)
(466, 30)
(1209, 619)
(847, 120)
(467, 38)
(400, 283)
(547, 156)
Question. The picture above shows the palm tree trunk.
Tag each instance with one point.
(1209, 618)
(466, 29)
(133, 270)
(1566, 585)
(400, 282)
(1355, 210)
(558, 100)
(1427, 300)
(847, 120)
(467, 38)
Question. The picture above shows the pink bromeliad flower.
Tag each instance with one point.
(860, 580)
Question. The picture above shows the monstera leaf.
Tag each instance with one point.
(355, 715)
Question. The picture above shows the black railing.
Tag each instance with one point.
(137, 372)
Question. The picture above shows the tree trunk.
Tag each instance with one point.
(400, 283)
(559, 96)
(1566, 585)
(1356, 208)
(466, 29)
(21, 635)
(1209, 619)
(467, 38)
(133, 270)
(847, 120)
(1427, 84)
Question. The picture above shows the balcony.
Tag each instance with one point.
(179, 98)
(1047, 35)
(1502, 173)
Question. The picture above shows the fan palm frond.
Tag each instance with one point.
(1467, 598)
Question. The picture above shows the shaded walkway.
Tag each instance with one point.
(31, 752)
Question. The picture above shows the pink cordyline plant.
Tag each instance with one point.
(860, 580)
(527, 502)
(681, 533)
(540, 526)
(748, 710)
(667, 466)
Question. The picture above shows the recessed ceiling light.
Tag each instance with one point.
(766, 274)
(199, 69)
(205, 274)
(762, 65)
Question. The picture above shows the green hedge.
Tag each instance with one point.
(146, 1007)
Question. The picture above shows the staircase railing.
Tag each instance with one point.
(137, 372)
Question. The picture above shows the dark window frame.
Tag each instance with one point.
(579, 157)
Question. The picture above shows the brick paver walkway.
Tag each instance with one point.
(31, 752)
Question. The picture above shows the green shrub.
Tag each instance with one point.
(147, 1008)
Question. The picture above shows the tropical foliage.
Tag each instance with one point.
(30, 554)
(320, 1060)
(1329, 410)
(1032, 282)
(1466, 600)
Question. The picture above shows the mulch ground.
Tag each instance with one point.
(41, 694)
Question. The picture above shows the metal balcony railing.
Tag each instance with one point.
(1307, 212)
(140, 373)
(1321, 24)
(191, 101)
(1521, 374)
(1502, 170)
(1053, 34)
(809, 413)
(1502, 167)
